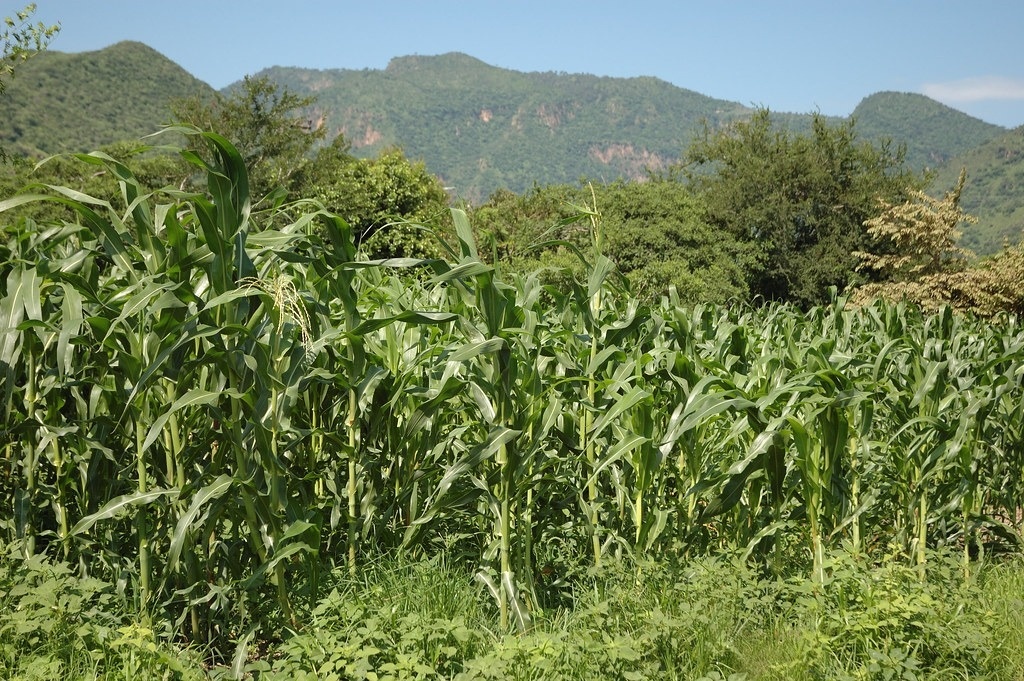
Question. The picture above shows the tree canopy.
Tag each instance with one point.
(799, 200)
(263, 121)
(381, 198)
(656, 233)
(919, 259)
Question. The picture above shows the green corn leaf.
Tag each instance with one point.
(603, 266)
(471, 350)
(119, 504)
(215, 489)
(464, 232)
(624, 403)
(192, 398)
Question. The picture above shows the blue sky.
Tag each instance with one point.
(795, 55)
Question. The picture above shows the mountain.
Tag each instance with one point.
(60, 102)
(481, 128)
(994, 191)
(932, 132)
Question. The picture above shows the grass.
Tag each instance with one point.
(712, 618)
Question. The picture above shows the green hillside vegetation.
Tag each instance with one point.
(994, 192)
(481, 128)
(62, 102)
(932, 132)
(758, 212)
(477, 127)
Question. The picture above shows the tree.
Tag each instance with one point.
(918, 237)
(800, 200)
(383, 199)
(265, 124)
(656, 232)
(919, 259)
(19, 40)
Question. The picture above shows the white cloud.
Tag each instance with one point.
(980, 89)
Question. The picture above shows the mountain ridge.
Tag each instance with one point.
(477, 126)
(617, 127)
(80, 101)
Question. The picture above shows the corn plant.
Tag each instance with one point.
(215, 403)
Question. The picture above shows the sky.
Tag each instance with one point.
(786, 55)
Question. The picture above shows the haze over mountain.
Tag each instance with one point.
(479, 127)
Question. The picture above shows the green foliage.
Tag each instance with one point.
(21, 39)
(885, 622)
(1002, 588)
(152, 171)
(55, 624)
(800, 201)
(708, 619)
(482, 128)
(63, 102)
(264, 123)
(669, 624)
(214, 404)
(385, 199)
(656, 232)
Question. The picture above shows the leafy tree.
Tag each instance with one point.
(656, 233)
(384, 199)
(264, 123)
(919, 259)
(800, 200)
(19, 40)
(919, 236)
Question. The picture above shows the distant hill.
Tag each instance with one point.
(61, 102)
(932, 132)
(481, 128)
(994, 191)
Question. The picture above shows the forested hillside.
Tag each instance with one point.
(483, 128)
(61, 102)
(480, 128)
(994, 190)
(932, 132)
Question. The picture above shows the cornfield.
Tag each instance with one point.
(208, 407)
